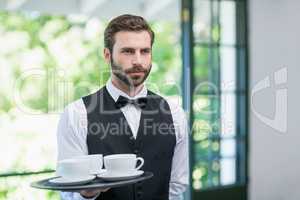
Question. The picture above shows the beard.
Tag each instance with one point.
(127, 77)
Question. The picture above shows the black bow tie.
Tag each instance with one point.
(123, 101)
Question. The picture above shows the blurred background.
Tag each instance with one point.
(229, 63)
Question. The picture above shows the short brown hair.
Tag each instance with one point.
(125, 23)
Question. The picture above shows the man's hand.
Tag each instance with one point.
(92, 193)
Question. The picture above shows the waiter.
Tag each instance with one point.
(147, 124)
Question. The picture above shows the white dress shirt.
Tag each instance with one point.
(72, 134)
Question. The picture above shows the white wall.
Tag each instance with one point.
(274, 33)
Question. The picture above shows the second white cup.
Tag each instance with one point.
(122, 163)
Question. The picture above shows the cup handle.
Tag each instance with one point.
(140, 165)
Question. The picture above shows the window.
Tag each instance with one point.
(216, 37)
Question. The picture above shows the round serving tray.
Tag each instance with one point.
(97, 183)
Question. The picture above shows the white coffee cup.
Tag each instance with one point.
(122, 163)
(95, 162)
(71, 168)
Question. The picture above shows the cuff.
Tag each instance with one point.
(176, 197)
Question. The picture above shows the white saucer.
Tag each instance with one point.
(72, 181)
(98, 171)
(110, 176)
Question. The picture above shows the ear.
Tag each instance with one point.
(107, 55)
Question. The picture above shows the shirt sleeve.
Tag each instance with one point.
(71, 139)
(74, 196)
(180, 164)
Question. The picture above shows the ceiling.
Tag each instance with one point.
(103, 9)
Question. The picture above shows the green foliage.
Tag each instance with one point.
(18, 187)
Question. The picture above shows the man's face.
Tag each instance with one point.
(131, 57)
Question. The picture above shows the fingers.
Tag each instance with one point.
(89, 193)
(105, 190)
(93, 192)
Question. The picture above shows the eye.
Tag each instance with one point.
(128, 51)
(145, 51)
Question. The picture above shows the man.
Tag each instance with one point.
(147, 124)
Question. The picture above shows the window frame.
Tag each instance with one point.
(239, 190)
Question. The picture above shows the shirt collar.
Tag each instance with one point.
(115, 92)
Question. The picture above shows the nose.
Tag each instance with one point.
(137, 60)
